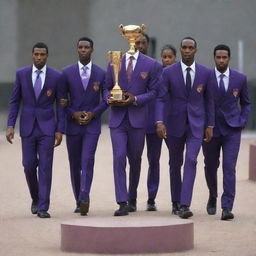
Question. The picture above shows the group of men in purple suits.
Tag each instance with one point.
(203, 109)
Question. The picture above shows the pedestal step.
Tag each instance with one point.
(128, 234)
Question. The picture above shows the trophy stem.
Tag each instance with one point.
(132, 48)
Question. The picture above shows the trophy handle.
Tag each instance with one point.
(121, 28)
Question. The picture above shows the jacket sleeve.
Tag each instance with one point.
(108, 85)
(102, 106)
(161, 98)
(61, 115)
(14, 103)
(153, 85)
(209, 105)
(64, 92)
(244, 103)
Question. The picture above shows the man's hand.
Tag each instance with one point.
(80, 117)
(63, 102)
(161, 130)
(10, 134)
(129, 99)
(115, 103)
(208, 134)
(88, 117)
(58, 139)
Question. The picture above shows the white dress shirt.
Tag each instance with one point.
(225, 78)
(81, 68)
(127, 59)
(192, 72)
(42, 75)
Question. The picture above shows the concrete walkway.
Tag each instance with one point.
(22, 234)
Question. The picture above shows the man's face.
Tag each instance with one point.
(39, 56)
(221, 59)
(188, 50)
(84, 50)
(141, 44)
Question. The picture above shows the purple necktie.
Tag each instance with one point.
(85, 77)
(38, 84)
(221, 85)
(130, 68)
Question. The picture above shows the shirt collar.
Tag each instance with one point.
(226, 73)
(89, 65)
(43, 69)
(136, 55)
(184, 66)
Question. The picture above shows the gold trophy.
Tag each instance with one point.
(115, 61)
(132, 33)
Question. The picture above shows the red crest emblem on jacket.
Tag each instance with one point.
(49, 93)
(96, 86)
(235, 92)
(143, 75)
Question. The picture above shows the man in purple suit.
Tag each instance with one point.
(82, 84)
(153, 142)
(36, 89)
(191, 109)
(229, 91)
(138, 77)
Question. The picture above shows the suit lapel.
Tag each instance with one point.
(92, 79)
(215, 85)
(122, 78)
(196, 77)
(231, 83)
(136, 71)
(30, 83)
(77, 78)
(46, 83)
(181, 78)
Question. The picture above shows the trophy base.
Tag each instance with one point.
(116, 94)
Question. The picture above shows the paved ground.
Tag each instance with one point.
(24, 234)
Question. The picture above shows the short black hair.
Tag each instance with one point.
(189, 38)
(147, 37)
(40, 45)
(169, 47)
(85, 39)
(222, 47)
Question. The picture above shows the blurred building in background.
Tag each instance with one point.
(61, 23)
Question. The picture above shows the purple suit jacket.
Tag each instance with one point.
(228, 113)
(197, 107)
(89, 100)
(151, 122)
(40, 110)
(143, 84)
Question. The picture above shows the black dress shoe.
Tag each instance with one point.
(43, 214)
(123, 209)
(84, 208)
(132, 205)
(151, 205)
(227, 214)
(175, 208)
(34, 208)
(211, 206)
(77, 210)
(185, 212)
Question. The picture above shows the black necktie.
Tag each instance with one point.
(188, 80)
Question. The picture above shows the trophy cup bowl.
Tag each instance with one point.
(132, 33)
(115, 61)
